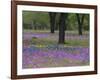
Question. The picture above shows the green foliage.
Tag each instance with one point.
(86, 22)
(40, 20)
(35, 19)
(72, 22)
(28, 16)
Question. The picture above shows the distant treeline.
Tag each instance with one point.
(41, 21)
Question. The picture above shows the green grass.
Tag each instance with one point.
(53, 39)
(45, 41)
(77, 42)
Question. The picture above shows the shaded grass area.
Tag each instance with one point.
(56, 31)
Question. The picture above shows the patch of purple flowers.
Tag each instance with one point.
(42, 56)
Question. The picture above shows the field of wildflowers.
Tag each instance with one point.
(41, 49)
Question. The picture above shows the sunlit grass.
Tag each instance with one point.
(46, 41)
(77, 42)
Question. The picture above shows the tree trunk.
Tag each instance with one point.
(62, 24)
(80, 23)
(52, 21)
(34, 22)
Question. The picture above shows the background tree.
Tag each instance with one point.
(80, 20)
(52, 21)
